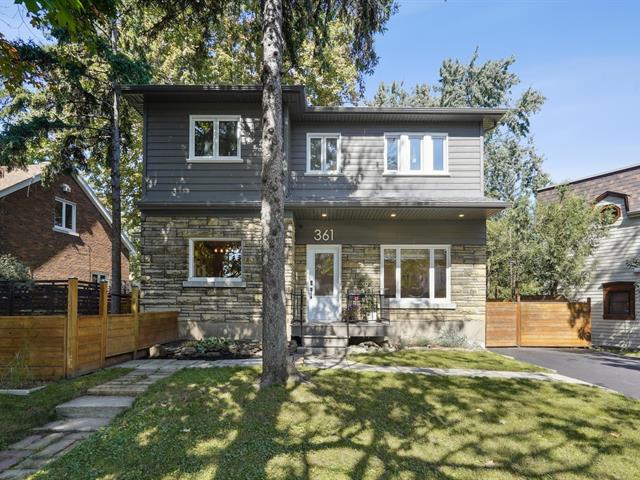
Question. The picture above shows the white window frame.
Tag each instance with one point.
(63, 229)
(323, 154)
(432, 301)
(426, 152)
(215, 158)
(101, 274)
(215, 281)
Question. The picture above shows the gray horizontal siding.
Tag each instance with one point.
(170, 178)
(609, 265)
(363, 163)
(468, 232)
(168, 175)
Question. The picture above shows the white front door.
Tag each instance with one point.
(323, 290)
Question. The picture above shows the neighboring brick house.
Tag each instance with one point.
(387, 201)
(615, 306)
(59, 231)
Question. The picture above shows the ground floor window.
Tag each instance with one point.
(416, 272)
(214, 259)
(619, 300)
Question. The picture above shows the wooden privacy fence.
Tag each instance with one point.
(538, 324)
(68, 345)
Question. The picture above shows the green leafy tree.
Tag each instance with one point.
(565, 234)
(66, 109)
(12, 269)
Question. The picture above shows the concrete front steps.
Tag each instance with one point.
(94, 406)
(323, 345)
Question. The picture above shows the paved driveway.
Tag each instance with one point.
(612, 371)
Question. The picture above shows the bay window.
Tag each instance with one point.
(416, 275)
(214, 138)
(323, 153)
(415, 153)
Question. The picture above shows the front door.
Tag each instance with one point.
(323, 290)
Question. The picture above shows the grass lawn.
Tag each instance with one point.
(20, 414)
(214, 424)
(443, 358)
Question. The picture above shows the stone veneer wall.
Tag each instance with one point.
(468, 292)
(204, 311)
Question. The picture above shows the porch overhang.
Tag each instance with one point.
(385, 209)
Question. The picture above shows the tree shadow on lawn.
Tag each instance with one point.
(214, 424)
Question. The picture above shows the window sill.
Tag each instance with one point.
(324, 174)
(216, 160)
(422, 304)
(417, 174)
(215, 283)
(64, 230)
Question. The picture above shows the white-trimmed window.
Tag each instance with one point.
(214, 138)
(416, 154)
(214, 260)
(416, 275)
(64, 216)
(99, 277)
(323, 153)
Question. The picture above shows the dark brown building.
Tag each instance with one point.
(58, 231)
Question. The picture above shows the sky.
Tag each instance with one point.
(584, 56)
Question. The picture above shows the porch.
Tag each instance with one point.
(366, 316)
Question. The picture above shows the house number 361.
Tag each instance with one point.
(323, 235)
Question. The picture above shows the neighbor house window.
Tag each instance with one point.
(323, 153)
(64, 216)
(416, 273)
(215, 259)
(619, 302)
(99, 277)
(610, 214)
(415, 153)
(214, 138)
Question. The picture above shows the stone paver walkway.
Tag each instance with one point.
(87, 414)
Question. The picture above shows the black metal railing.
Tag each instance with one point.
(366, 307)
(298, 305)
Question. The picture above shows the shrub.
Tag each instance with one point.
(452, 338)
(12, 269)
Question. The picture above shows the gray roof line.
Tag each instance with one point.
(375, 110)
(471, 203)
(300, 91)
(590, 177)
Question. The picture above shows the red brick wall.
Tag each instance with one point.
(26, 231)
(626, 181)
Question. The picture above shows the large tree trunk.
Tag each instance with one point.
(116, 227)
(274, 330)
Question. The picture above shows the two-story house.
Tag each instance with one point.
(382, 200)
(612, 282)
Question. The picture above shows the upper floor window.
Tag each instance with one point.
(415, 153)
(214, 138)
(64, 216)
(323, 153)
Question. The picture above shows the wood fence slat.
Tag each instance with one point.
(538, 324)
